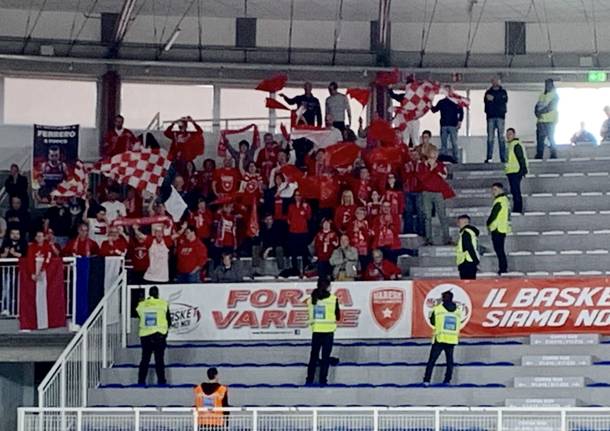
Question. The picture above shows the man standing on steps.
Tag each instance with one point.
(547, 115)
(446, 320)
(466, 254)
(498, 224)
(154, 324)
(515, 168)
(496, 99)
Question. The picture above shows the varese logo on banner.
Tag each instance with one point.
(387, 305)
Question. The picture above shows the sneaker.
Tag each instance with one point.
(487, 161)
(425, 384)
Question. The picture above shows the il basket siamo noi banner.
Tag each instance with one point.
(516, 307)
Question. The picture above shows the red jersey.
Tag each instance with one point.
(344, 215)
(410, 177)
(298, 216)
(138, 253)
(226, 232)
(362, 190)
(278, 209)
(386, 230)
(379, 175)
(384, 271)
(114, 248)
(134, 206)
(360, 234)
(202, 220)
(185, 146)
(251, 186)
(117, 144)
(324, 245)
(190, 255)
(35, 252)
(373, 209)
(226, 181)
(266, 160)
(396, 200)
(77, 247)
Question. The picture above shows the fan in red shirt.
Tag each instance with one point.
(202, 219)
(133, 204)
(379, 175)
(205, 179)
(138, 254)
(226, 179)
(50, 239)
(373, 206)
(299, 214)
(266, 159)
(226, 230)
(394, 195)
(119, 139)
(380, 269)
(251, 185)
(38, 255)
(185, 145)
(324, 243)
(345, 211)
(191, 256)
(115, 245)
(362, 187)
(386, 228)
(360, 233)
(316, 165)
(82, 245)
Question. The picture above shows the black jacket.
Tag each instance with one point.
(451, 112)
(496, 108)
(495, 210)
(313, 112)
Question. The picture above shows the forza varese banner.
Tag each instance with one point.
(516, 307)
(277, 311)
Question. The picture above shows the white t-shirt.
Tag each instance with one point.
(98, 231)
(158, 267)
(114, 210)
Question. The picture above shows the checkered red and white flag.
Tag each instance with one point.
(76, 185)
(419, 96)
(462, 101)
(142, 170)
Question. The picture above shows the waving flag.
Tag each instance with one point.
(418, 99)
(462, 101)
(386, 79)
(274, 104)
(224, 140)
(341, 154)
(76, 185)
(382, 131)
(361, 95)
(273, 84)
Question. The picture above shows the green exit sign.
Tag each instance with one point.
(597, 76)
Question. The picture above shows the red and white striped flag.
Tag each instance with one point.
(462, 101)
(76, 185)
(143, 170)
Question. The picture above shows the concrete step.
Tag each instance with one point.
(337, 396)
(571, 152)
(556, 360)
(564, 339)
(562, 201)
(477, 170)
(578, 184)
(549, 382)
(541, 403)
(552, 221)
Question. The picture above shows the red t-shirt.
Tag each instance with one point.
(396, 199)
(203, 223)
(298, 216)
(226, 181)
(384, 271)
(190, 255)
(185, 146)
(251, 187)
(360, 234)
(86, 247)
(117, 144)
(116, 248)
(226, 232)
(362, 189)
(344, 215)
(410, 177)
(324, 244)
(138, 253)
(386, 230)
(134, 207)
(266, 161)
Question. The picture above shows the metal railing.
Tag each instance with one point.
(9, 280)
(320, 419)
(93, 348)
(223, 123)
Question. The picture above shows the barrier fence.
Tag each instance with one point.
(319, 419)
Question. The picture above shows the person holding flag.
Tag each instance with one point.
(452, 115)
(337, 105)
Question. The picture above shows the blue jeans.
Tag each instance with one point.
(545, 131)
(496, 125)
(414, 214)
(449, 133)
(188, 277)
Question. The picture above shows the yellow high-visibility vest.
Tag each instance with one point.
(447, 325)
(322, 315)
(512, 164)
(551, 116)
(464, 256)
(502, 221)
(153, 316)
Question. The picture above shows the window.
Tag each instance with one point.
(578, 105)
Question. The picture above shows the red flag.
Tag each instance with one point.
(310, 187)
(253, 226)
(223, 140)
(385, 155)
(329, 192)
(382, 131)
(273, 84)
(460, 100)
(42, 303)
(291, 173)
(284, 131)
(341, 154)
(274, 104)
(386, 79)
(361, 95)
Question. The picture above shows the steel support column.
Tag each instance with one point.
(109, 102)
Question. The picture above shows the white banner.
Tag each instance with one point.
(277, 311)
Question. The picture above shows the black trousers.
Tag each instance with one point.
(514, 180)
(498, 239)
(468, 271)
(153, 344)
(435, 352)
(320, 341)
(298, 246)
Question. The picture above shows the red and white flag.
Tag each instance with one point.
(320, 136)
(462, 101)
(42, 303)
(76, 185)
(142, 170)
(419, 96)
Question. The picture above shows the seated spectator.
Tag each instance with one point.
(243, 156)
(118, 139)
(345, 211)
(583, 136)
(605, 131)
(226, 272)
(159, 247)
(114, 207)
(380, 269)
(191, 257)
(360, 235)
(299, 214)
(17, 217)
(344, 260)
(82, 245)
(271, 242)
(325, 243)
(16, 185)
(60, 220)
(13, 245)
(115, 245)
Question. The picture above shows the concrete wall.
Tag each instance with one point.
(17, 389)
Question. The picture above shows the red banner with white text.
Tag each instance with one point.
(507, 307)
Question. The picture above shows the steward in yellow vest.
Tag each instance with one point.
(498, 224)
(323, 311)
(154, 325)
(446, 319)
(466, 250)
(547, 117)
(211, 397)
(515, 168)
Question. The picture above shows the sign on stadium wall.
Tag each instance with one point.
(515, 307)
(277, 311)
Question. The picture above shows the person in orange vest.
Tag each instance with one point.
(211, 396)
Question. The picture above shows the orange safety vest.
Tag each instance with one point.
(210, 417)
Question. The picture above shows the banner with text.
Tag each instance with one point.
(54, 158)
(515, 307)
(277, 311)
